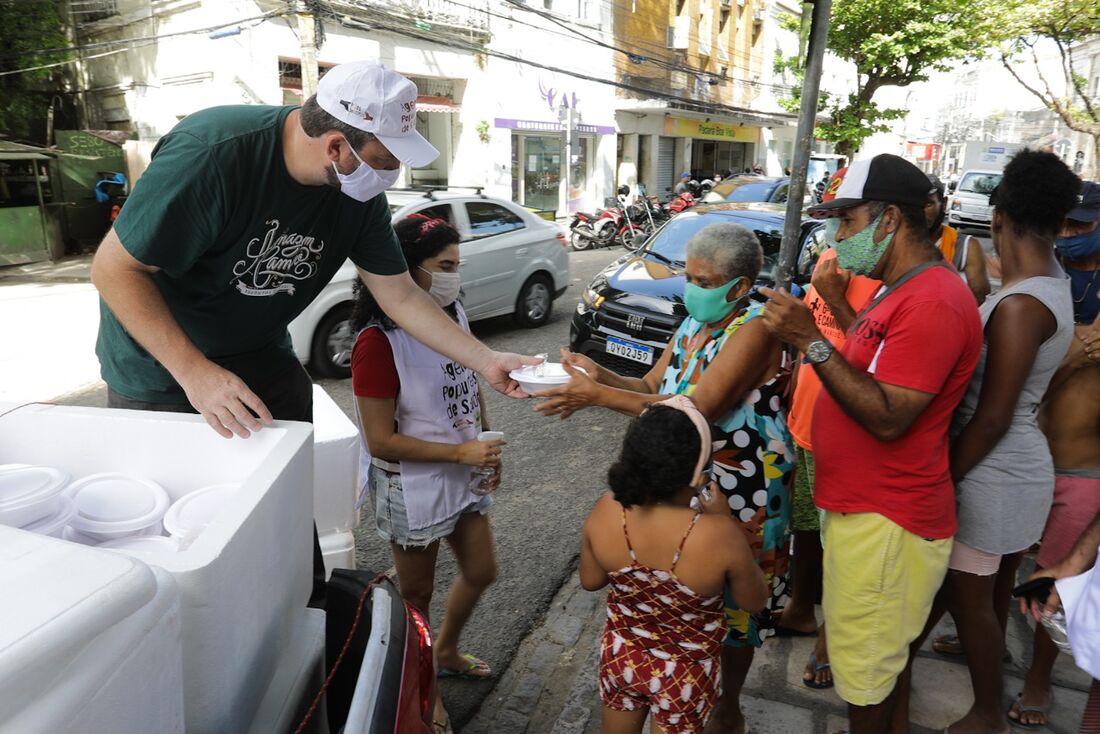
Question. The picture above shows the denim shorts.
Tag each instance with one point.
(391, 519)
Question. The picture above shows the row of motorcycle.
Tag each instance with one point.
(625, 224)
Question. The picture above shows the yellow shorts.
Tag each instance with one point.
(880, 581)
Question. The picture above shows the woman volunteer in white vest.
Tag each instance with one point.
(420, 414)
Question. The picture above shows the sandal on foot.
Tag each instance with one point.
(441, 727)
(947, 645)
(1021, 709)
(477, 669)
(817, 668)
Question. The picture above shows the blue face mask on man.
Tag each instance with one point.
(1079, 247)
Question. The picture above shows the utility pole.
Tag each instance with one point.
(807, 119)
(307, 37)
(568, 115)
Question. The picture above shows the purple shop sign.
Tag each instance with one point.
(551, 127)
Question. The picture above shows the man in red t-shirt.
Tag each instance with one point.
(880, 430)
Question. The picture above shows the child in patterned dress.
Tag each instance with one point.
(665, 621)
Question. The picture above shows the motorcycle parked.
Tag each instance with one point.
(593, 230)
(680, 202)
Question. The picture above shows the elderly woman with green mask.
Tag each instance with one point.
(736, 373)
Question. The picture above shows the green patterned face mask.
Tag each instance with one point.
(859, 253)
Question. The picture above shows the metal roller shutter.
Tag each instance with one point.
(666, 159)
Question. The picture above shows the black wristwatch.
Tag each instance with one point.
(817, 352)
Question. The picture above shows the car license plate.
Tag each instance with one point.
(630, 350)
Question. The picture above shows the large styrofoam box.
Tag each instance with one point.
(246, 577)
(89, 640)
(338, 551)
(297, 679)
(335, 465)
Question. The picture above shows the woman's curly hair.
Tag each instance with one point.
(659, 454)
(420, 238)
(1037, 191)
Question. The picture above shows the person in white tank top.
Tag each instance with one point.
(420, 414)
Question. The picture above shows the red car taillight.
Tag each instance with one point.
(425, 658)
(562, 241)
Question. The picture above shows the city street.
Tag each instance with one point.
(535, 627)
(553, 470)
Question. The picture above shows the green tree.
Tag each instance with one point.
(1067, 24)
(894, 43)
(26, 28)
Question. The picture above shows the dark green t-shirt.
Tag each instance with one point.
(241, 246)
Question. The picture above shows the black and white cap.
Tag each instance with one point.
(885, 177)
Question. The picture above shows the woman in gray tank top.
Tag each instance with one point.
(1000, 461)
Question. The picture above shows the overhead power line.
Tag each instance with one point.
(137, 39)
(382, 22)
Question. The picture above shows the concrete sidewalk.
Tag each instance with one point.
(49, 317)
(550, 687)
(70, 269)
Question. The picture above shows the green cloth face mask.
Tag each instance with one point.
(860, 253)
(708, 305)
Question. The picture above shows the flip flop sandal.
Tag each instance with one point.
(441, 727)
(947, 645)
(950, 645)
(1022, 709)
(477, 669)
(817, 668)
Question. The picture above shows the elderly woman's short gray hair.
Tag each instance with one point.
(731, 248)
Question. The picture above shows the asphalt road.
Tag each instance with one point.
(553, 472)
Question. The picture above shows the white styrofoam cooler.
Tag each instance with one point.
(89, 640)
(335, 480)
(245, 581)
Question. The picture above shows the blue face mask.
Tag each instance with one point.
(1079, 247)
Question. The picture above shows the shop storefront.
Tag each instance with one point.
(717, 147)
(538, 164)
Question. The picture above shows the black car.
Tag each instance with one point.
(631, 309)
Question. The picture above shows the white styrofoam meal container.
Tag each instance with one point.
(191, 513)
(30, 493)
(54, 524)
(553, 374)
(142, 545)
(114, 505)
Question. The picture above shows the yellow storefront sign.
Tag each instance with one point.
(687, 128)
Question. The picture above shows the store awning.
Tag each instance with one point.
(427, 103)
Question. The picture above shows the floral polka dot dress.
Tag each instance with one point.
(661, 645)
(753, 463)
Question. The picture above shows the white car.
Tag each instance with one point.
(512, 262)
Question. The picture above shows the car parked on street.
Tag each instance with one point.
(512, 262)
(631, 309)
(752, 188)
(969, 205)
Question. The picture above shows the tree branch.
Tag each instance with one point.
(1074, 81)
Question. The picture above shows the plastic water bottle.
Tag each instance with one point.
(479, 477)
(1055, 624)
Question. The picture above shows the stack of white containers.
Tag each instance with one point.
(243, 579)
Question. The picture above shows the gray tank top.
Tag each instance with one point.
(1004, 501)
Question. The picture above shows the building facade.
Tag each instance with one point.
(691, 77)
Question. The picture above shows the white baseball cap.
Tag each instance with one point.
(368, 96)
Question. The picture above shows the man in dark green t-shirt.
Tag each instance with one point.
(242, 217)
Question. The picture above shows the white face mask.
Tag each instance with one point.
(445, 287)
(365, 183)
